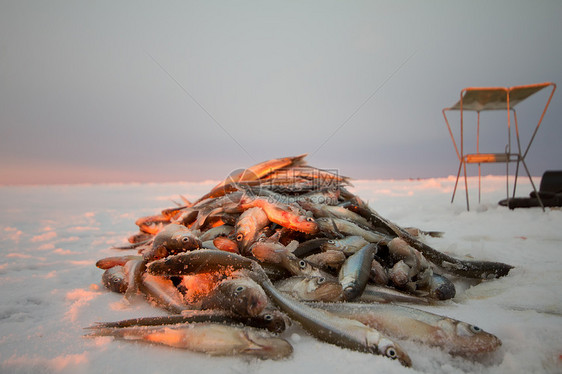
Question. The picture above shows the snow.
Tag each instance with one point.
(51, 237)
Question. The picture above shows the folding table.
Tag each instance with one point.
(478, 99)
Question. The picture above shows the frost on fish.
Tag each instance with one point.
(209, 338)
(283, 221)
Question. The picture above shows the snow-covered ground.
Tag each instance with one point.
(51, 237)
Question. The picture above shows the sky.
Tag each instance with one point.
(141, 91)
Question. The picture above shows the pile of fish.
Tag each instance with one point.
(283, 241)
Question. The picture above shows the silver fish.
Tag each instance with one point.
(332, 211)
(311, 288)
(162, 293)
(332, 329)
(270, 319)
(345, 227)
(402, 322)
(348, 245)
(115, 279)
(379, 294)
(441, 288)
(216, 231)
(323, 325)
(355, 271)
(327, 260)
(171, 240)
(202, 260)
(210, 338)
(273, 252)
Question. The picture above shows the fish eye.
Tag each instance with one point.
(239, 288)
(239, 237)
(475, 329)
(331, 241)
(302, 264)
(185, 239)
(268, 317)
(391, 353)
(309, 219)
(321, 280)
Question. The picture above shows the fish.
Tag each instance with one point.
(162, 292)
(239, 294)
(355, 271)
(380, 294)
(340, 226)
(260, 170)
(270, 319)
(152, 224)
(171, 240)
(464, 268)
(225, 244)
(399, 274)
(333, 329)
(286, 215)
(236, 292)
(311, 288)
(115, 279)
(214, 339)
(419, 270)
(401, 322)
(348, 245)
(333, 211)
(248, 227)
(271, 251)
(318, 176)
(325, 326)
(400, 250)
(212, 233)
(325, 195)
(441, 288)
(134, 269)
(198, 261)
(416, 232)
(378, 274)
(310, 247)
(327, 260)
(139, 237)
(109, 262)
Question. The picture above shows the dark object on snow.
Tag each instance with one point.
(550, 193)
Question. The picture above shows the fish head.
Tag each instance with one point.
(274, 320)
(245, 235)
(322, 289)
(184, 241)
(351, 292)
(441, 288)
(115, 279)
(304, 223)
(332, 245)
(156, 253)
(245, 296)
(269, 251)
(473, 339)
(392, 350)
(266, 347)
(173, 239)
